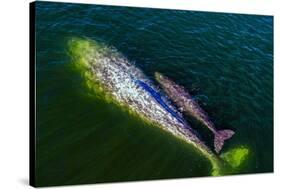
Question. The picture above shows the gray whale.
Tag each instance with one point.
(110, 74)
(184, 101)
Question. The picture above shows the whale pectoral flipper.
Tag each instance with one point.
(220, 137)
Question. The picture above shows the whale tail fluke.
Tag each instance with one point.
(220, 137)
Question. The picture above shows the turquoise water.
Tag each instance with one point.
(224, 60)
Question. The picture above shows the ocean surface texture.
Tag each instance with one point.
(224, 60)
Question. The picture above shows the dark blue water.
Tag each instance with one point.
(224, 60)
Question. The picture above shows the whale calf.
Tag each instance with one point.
(109, 73)
(187, 105)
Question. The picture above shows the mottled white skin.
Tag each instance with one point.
(117, 77)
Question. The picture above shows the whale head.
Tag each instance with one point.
(160, 78)
(85, 51)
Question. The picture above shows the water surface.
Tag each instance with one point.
(224, 60)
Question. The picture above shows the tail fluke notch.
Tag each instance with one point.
(220, 137)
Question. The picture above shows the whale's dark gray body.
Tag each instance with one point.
(187, 105)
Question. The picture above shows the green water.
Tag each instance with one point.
(224, 60)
